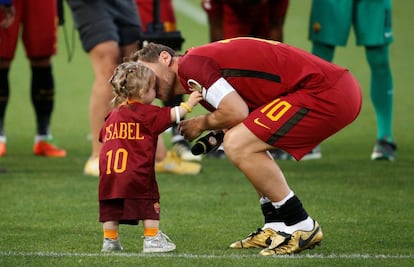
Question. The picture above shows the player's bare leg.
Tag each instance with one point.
(249, 154)
(286, 221)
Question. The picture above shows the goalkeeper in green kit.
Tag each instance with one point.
(330, 24)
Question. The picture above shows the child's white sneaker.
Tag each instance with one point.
(110, 245)
(159, 243)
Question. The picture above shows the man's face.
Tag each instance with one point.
(166, 78)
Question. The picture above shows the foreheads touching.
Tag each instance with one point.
(161, 60)
(130, 81)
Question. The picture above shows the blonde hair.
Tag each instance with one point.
(131, 80)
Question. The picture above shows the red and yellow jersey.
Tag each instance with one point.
(129, 139)
(259, 70)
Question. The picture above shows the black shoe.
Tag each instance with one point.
(217, 154)
(384, 150)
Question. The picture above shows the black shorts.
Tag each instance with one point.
(106, 20)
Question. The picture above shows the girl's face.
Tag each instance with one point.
(149, 96)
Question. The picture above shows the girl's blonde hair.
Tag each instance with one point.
(131, 80)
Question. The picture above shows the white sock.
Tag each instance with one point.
(305, 225)
(177, 138)
(264, 200)
(42, 137)
(283, 201)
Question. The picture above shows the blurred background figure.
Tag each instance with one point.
(147, 10)
(256, 18)
(330, 24)
(109, 31)
(38, 23)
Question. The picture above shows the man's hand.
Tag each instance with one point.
(231, 111)
(8, 15)
(192, 128)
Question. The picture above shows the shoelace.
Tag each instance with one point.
(255, 233)
(166, 236)
(160, 235)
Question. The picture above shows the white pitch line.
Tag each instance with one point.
(200, 256)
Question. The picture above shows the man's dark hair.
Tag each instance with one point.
(151, 52)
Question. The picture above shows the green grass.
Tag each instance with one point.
(49, 211)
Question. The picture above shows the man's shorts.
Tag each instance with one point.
(246, 19)
(106, 20)
(301, 120)
(252, 20)
(331, 21)
(129, 211)
(37, 21)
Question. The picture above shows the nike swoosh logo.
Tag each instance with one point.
(268, 241)
(303, 243)
(261, 124)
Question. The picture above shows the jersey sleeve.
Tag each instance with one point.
(206, 74)
(157, 119)
(201, 69)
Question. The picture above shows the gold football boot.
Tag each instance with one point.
(258, 239)
(282, 243)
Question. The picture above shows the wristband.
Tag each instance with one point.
(186, 106)
(177, 115)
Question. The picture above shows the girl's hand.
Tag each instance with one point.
(194, 98)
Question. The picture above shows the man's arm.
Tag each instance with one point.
(231, 111)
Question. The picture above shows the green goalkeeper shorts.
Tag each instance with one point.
(331, 21)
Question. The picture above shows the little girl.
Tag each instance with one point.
(128, 190)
